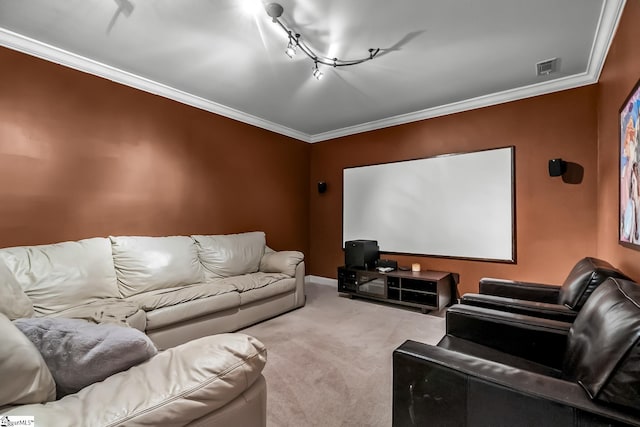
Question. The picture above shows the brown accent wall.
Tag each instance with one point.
(556, 221)
(619, 75)
(81, 156)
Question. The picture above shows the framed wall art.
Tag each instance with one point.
(629, 155)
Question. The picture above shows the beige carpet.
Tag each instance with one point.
(329, 363)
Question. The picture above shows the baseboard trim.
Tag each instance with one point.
(321, 280)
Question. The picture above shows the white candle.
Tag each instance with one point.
(415, 267)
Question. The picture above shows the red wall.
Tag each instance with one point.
(556, 221)
(619, 75)
(81, 156)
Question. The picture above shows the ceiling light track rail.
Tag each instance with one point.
(275, 10)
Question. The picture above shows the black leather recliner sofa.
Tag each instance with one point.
(540, 300)
(502, 369)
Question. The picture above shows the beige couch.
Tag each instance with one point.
(176, 289)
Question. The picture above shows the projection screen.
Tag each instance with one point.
(455, 205)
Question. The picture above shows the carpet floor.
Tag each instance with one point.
(329, 362)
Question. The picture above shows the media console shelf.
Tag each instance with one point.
(427, 290)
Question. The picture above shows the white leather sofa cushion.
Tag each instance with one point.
(159, 298)
(176, 387)
(63, 275)
(248, 282)
(108, 310)
(147, 263)
(230, 254)
(172, 314)
(14, 303)
(25, 376)
(260, 294)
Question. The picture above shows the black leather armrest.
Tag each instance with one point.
(520, 290)
(436, 386)
(519, 306)
(537, 339)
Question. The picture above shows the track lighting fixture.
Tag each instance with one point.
(274, 10)
(316, 72)
(291, 50)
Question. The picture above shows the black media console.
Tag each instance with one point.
(427, 290)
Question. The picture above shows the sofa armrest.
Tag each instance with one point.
(520, 306)
(436, 386)
(539, 340)
(520, 290)
(175, 387)
(281, 262)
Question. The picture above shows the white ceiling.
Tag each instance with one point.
(226, 56)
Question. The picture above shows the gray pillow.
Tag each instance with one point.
(79, 353)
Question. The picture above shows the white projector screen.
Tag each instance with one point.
(455, 205)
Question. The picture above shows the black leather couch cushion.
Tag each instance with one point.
(584, 278)
(609, 371)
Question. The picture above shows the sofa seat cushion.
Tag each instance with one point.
(63, 275)
(108, 310)
(249, 282)
(147, 263)
(24, 373)
(280, 287)
(169, 315)
(79, 353)
(160, 298)
(230, 254)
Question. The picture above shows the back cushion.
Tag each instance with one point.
(603, 350)
(147, 263)
(583, 279)
(231, 254)
(14, 303)
(63, 275)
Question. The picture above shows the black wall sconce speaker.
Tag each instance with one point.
(557, 167)
(322, 187)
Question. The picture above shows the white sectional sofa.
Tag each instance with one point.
(174, 288)
(184, 292)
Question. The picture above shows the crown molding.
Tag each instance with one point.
(50, 53)
(606, 30)
(607, 25)
(537, 89)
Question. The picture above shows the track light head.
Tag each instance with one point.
(317, 73)
(274, 10)
(290, 50)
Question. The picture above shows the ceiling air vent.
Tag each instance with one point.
(544, 68)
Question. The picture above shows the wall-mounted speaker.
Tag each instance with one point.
(322, 187)
(557, 167)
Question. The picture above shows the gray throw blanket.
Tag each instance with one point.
(79, 353)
